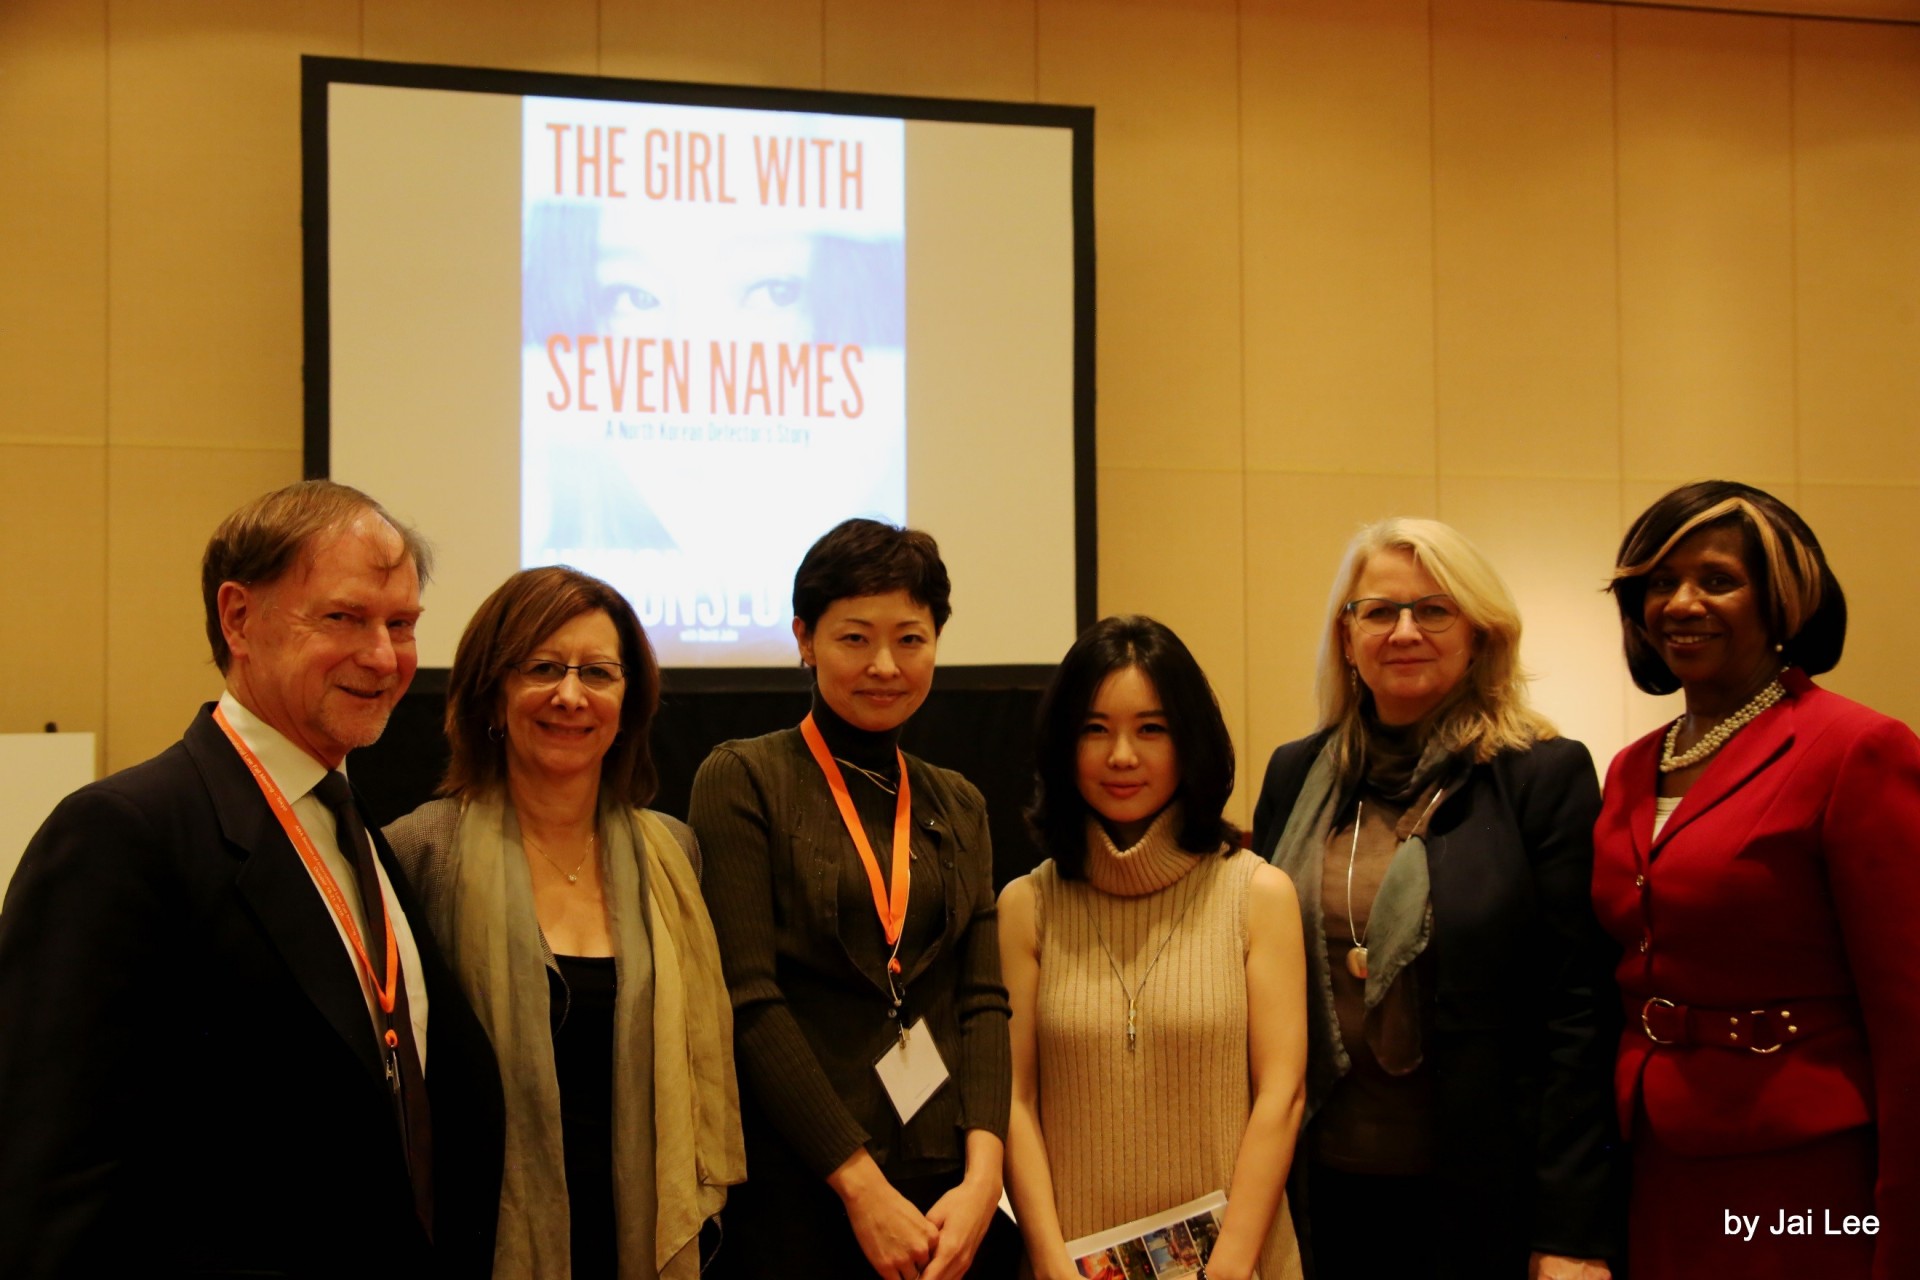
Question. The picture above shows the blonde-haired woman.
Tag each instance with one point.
(1460, 1014)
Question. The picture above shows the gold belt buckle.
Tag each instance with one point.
(1753, 1022)
(1647, 1026)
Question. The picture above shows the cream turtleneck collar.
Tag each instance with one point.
(1148, 867)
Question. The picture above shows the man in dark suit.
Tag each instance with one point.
(227, 1046)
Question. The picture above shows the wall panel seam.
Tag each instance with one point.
(1433, 244)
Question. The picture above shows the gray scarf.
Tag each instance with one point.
(677, 1129)
(1400, 922)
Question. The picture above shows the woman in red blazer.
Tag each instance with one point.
(1758, 860)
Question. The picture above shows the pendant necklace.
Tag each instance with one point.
(1357, 957)
(1133, 995)
(573, 876)
(879, 780)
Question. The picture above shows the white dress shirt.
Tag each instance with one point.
(296, 774)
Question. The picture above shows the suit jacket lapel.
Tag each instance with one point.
(1749, 751)
(281, 894)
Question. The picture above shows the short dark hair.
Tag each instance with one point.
(523, 611)
(1801, 600)
(261, 541)
(1201, 744)
(861, 557)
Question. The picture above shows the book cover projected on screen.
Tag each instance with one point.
(713, 303)
(670, 334)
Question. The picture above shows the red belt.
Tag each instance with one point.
(1764, 1030)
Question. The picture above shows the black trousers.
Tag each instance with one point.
(1363, 1226)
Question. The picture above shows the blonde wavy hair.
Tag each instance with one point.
(1490, 712)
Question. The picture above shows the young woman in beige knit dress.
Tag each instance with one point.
(1155, 971)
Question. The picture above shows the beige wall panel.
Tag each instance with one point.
(1171, 547)
(1336, 148)
(1297, 526)
(981, 49)
(204, 207)
(554, 35)
(1857, 248)
(715, 41)
(1162, 76)
(165, 503)
(1553, 543)
(53, 639)
(1863, 529)
(53, 144)
(1876, 10)
(1525, 314)
(1706, 245)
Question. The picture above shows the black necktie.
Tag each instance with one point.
(403, 1060)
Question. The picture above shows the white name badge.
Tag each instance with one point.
(912, 1070)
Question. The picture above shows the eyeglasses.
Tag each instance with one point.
(1376, 617)
(544, 673)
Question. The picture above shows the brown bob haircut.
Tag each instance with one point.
(261, 542)
(508, 626)
(1805, 611)
(861, 557)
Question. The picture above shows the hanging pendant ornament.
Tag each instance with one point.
(1133, 993)
(573, 876)
(1356, 958)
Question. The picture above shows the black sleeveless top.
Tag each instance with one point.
(583, 1061)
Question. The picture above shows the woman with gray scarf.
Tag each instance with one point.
(1459, 1002)
(574, 920)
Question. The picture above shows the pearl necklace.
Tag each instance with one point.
(1715, 738)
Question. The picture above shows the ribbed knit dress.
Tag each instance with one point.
(1131, 1133)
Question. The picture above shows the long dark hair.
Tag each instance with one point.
(1058, 814)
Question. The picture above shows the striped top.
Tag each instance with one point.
(1131, 1133)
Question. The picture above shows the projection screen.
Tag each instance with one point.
(670, 333)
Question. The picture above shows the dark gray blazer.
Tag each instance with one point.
(1525, 1016)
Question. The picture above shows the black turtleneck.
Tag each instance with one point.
(864, 747)
(876, 806)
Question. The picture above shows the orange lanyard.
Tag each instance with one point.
(329, 888)
(892, 910)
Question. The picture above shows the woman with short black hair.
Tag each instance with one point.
(852, 889)
(1154, 968)
(1757, 861)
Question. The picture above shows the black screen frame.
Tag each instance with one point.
(319, 73)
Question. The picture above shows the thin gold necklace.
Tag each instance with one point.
(573, 876)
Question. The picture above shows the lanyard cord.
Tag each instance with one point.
(317, 868)
(889, 902)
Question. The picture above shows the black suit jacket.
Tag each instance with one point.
(1522, 1026)
(189, 1081)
